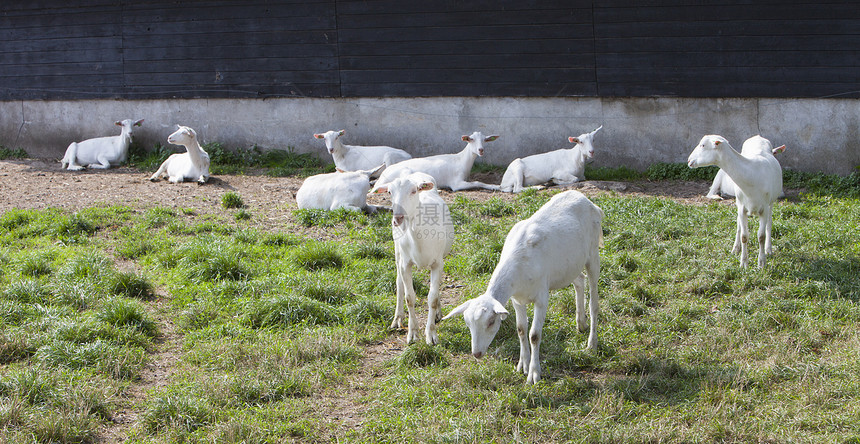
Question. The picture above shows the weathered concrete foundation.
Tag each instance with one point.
(821, 134)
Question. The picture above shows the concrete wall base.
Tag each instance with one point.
(820, 134)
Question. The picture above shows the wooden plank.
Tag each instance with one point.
(228, 25)
(388, 19)
(716, 43)
(494, 89)
(474, 75)
(213, 78)
(60, 69)
(309, 13)
(203, 53)
(725, 13)
(157, 40)
(730, 75)
(233, 65)
(735, 28)
(499, 61)
(432, 6)
(758, 59)
(483, 47)
(486, 32)
(746, 89)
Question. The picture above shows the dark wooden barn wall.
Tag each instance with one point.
(52, 49)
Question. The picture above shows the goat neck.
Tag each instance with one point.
(736, 166)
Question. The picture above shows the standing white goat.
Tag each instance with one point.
(190, 165)
(561, 167)
(758, 178)
(545, 252)
(724, 185)
(448, 170)
(342, 189)
(356, 158)
(423, 235)
(101, 152)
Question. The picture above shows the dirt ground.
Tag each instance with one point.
(42, 183)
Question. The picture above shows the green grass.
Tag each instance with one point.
(282, 335)
(232, 199)
(10, 153)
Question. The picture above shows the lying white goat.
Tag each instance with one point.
(545, 252)
(356, 158)
(449, 170)
(190, 165)
(101, 152)
(723, 185)
(561, 167)
(342, 189)
(423, 235)
(758, 178)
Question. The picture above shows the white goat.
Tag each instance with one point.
(342, 189)
(190, 165)
(423, 235)
(724, 185)
(758, 178)
(545, 252)
(101, 152)
(561, 167)
(449, 170)
(356, 158)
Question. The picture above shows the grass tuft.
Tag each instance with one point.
(130, 285)
(181, 410)
(315, 256)
(285, 311)
(420, 355)
(127, 313)
(232, 199)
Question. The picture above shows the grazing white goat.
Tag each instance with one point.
(561, 167)
(723, 185)
(190, 165)
(342, 189)
(356, 158)
(423, 235)
(545, 252)
(101, 152)
(758, 178)
(449, 170)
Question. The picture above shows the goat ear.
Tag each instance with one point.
(425, 186)
(118, 123)
(466, 138)
(491, 138)
(779, 149)
(500, 310)
(573, 139)
(377, 169)
(598, 129)
(341, 132)
(138, 123)
(717, 142)
(340, 170)
(382, 189)
(458, 310)
(319, 136)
